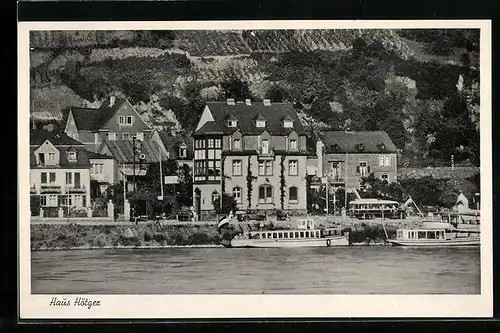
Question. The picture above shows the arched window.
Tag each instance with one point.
(237, 194)
(265, 194)
(292, 194)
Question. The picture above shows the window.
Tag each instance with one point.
(97, 168)
(385, 177)
(307, 233)
(121, 120)
(217, 143)
(265, 194)
(292, 194)
(237, 144)
(182, 152)
(301, 234)
(288, 124)
(43, 200)
(232, 123)
(78, 200)
(362, 169)
(52, 200)
(293, 168)
(265, 168)
(130, 120)
(52, 157)
(112, 136)
(67, 200)
(210, 143)
(237, 168)
(293, 144)
(72, 156)
(265, 146)
(52, 177)
(41, 158)
(260, 123)
(43, 179)
(384, 161)
(139, 136)
(335, 170)
(237, 194)
(125, 136)
(69, 178)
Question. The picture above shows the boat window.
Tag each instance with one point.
(264, 235)
(301, 234)
(268, 235)
(274, 235)
(307, 233)
(421, 235)
(296, 234)
(286, 235)
(431, 234)
(256, 236)
(317, 234)
(280, 235)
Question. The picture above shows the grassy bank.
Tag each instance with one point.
(45, 237)
(150, 235)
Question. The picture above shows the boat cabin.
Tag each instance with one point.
(375, 208)
(421, 234)
(295, 234)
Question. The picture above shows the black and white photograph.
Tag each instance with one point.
(245, 163)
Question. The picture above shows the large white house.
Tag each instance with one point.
(59, 170)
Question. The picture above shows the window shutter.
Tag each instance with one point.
(368, 169)
(357, 170)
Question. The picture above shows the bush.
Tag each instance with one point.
(148, 235)
(35, 205)
(159, 238)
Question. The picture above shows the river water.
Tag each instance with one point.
(325, 270)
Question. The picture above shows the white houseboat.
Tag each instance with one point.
(306, 235)
(448, 229)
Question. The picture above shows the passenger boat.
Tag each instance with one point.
(305, 235)
(447, 229)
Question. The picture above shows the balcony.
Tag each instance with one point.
(76, 189)
(50, 188)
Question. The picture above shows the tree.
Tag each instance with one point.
(229, 204)
(277, 93)
(236, 88)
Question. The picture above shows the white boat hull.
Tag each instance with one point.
(288, 243)
(466, 241)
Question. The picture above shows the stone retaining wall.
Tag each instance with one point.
(438, 172)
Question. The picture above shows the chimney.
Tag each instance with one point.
(267, 102)
(49, 127)
(111, 101)
(230, 101)
(248, 101)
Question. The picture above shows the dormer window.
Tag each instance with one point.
(260, 123)
(288, 124)
(360, 147)
(232, 123)
(182, 152)
(72, 156)
(237, 144)
(381, 146)
(293, 144)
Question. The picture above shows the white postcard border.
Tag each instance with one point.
(257, 306)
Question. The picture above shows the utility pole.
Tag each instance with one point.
(345, 192)
(161, 174)
(327, 190)
(133, 163)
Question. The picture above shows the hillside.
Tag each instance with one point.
(421, 86)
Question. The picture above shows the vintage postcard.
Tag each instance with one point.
(255, 169)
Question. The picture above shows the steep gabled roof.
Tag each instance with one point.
(172, 144)
(96, 156)
(342, 142)
(246, 116)
(82, 159)
(38, 136)
(91, 119)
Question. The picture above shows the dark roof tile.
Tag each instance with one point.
(342, 142)
(38, 136)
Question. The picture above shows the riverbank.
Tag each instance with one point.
(153, 236)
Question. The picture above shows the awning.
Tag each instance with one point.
(130, 172)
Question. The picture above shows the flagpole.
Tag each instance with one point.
(161, 174)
